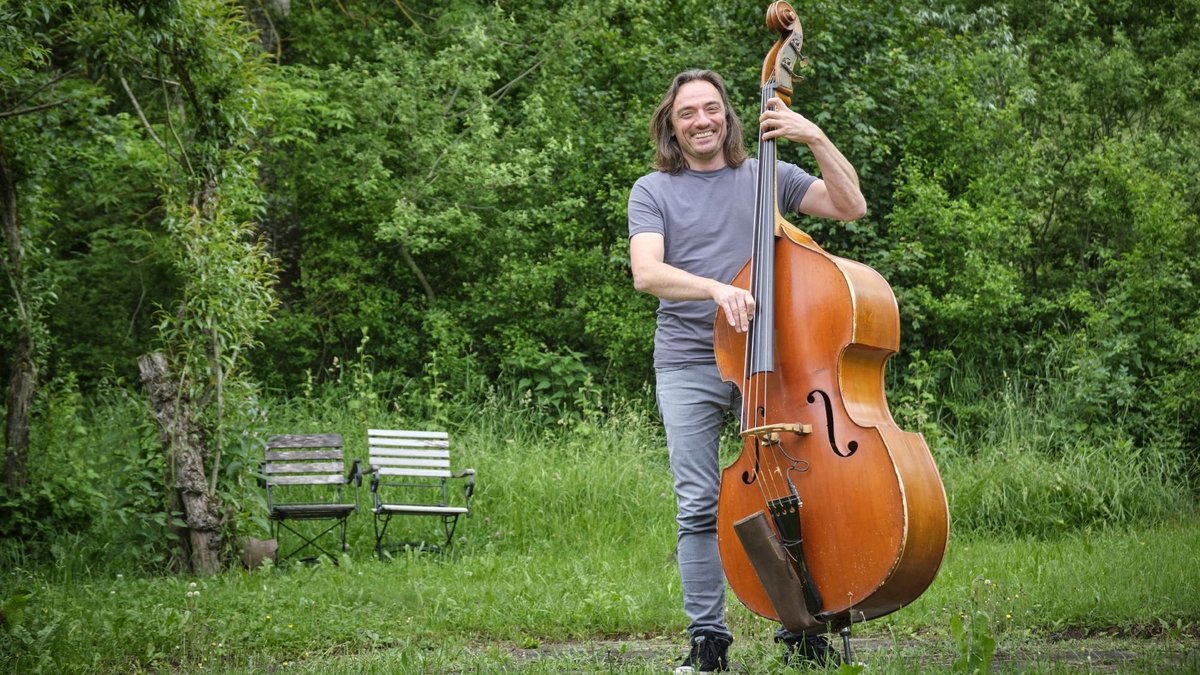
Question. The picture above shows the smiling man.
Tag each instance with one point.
(690, 229)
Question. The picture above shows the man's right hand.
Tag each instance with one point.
(737, 304)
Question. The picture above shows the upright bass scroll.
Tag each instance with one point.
(784, 57)
(826, 480)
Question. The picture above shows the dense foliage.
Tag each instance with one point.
(442, 186)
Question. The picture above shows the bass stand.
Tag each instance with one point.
(847, 657)
(844, 631)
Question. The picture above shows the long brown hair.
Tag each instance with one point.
(667, 155)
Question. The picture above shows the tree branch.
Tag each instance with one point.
(412, 264)
(167, 109)
(502, 91)
(141, 115)
(48, 84)
(34, 108)
(404, 10)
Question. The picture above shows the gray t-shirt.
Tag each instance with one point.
(707, 222)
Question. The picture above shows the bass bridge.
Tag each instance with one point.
(770, 434)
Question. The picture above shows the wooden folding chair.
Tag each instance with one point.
(410, 474)
(304, 482)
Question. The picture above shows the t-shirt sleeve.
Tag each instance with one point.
(793, 185)
(645, 215)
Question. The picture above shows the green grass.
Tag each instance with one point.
(601, 608)
(567, 566)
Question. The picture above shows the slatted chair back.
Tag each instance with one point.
(411, 472)
(304, 459)
(305, 476)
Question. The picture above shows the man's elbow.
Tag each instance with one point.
(855, 210)
(640, 282)
(646, 278)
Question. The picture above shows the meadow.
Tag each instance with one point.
(566, 565)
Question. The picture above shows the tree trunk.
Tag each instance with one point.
(21, 387)
(23, 381)
(185, 443)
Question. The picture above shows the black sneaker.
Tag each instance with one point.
(707, 655)
(811, 650)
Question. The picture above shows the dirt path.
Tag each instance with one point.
(1014, 653)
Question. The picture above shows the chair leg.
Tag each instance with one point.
(345, 522)
(448, 524)
(379, 533)
(311, 541)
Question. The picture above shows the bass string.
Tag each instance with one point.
(759, 365)
(754, 399)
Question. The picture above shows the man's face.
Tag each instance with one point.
(698, 118)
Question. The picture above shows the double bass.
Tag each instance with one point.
(831, 514)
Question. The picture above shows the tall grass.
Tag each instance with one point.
(1019, 457)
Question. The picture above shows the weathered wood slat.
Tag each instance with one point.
(305, 467)
(292, 479)
(311, 511)
(274, 455)
(305, 441)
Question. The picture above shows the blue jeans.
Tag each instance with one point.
(694, 404)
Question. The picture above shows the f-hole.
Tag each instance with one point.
(852, 446)
(748, 477)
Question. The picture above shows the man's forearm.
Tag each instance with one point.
(671, 283)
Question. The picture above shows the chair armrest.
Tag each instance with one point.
(469, 488)
(356, 473)
(355, 476)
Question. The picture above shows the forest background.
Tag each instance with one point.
(418, 208)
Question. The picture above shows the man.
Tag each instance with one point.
(690, 229)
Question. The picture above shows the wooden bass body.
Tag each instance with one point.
(871, 506)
